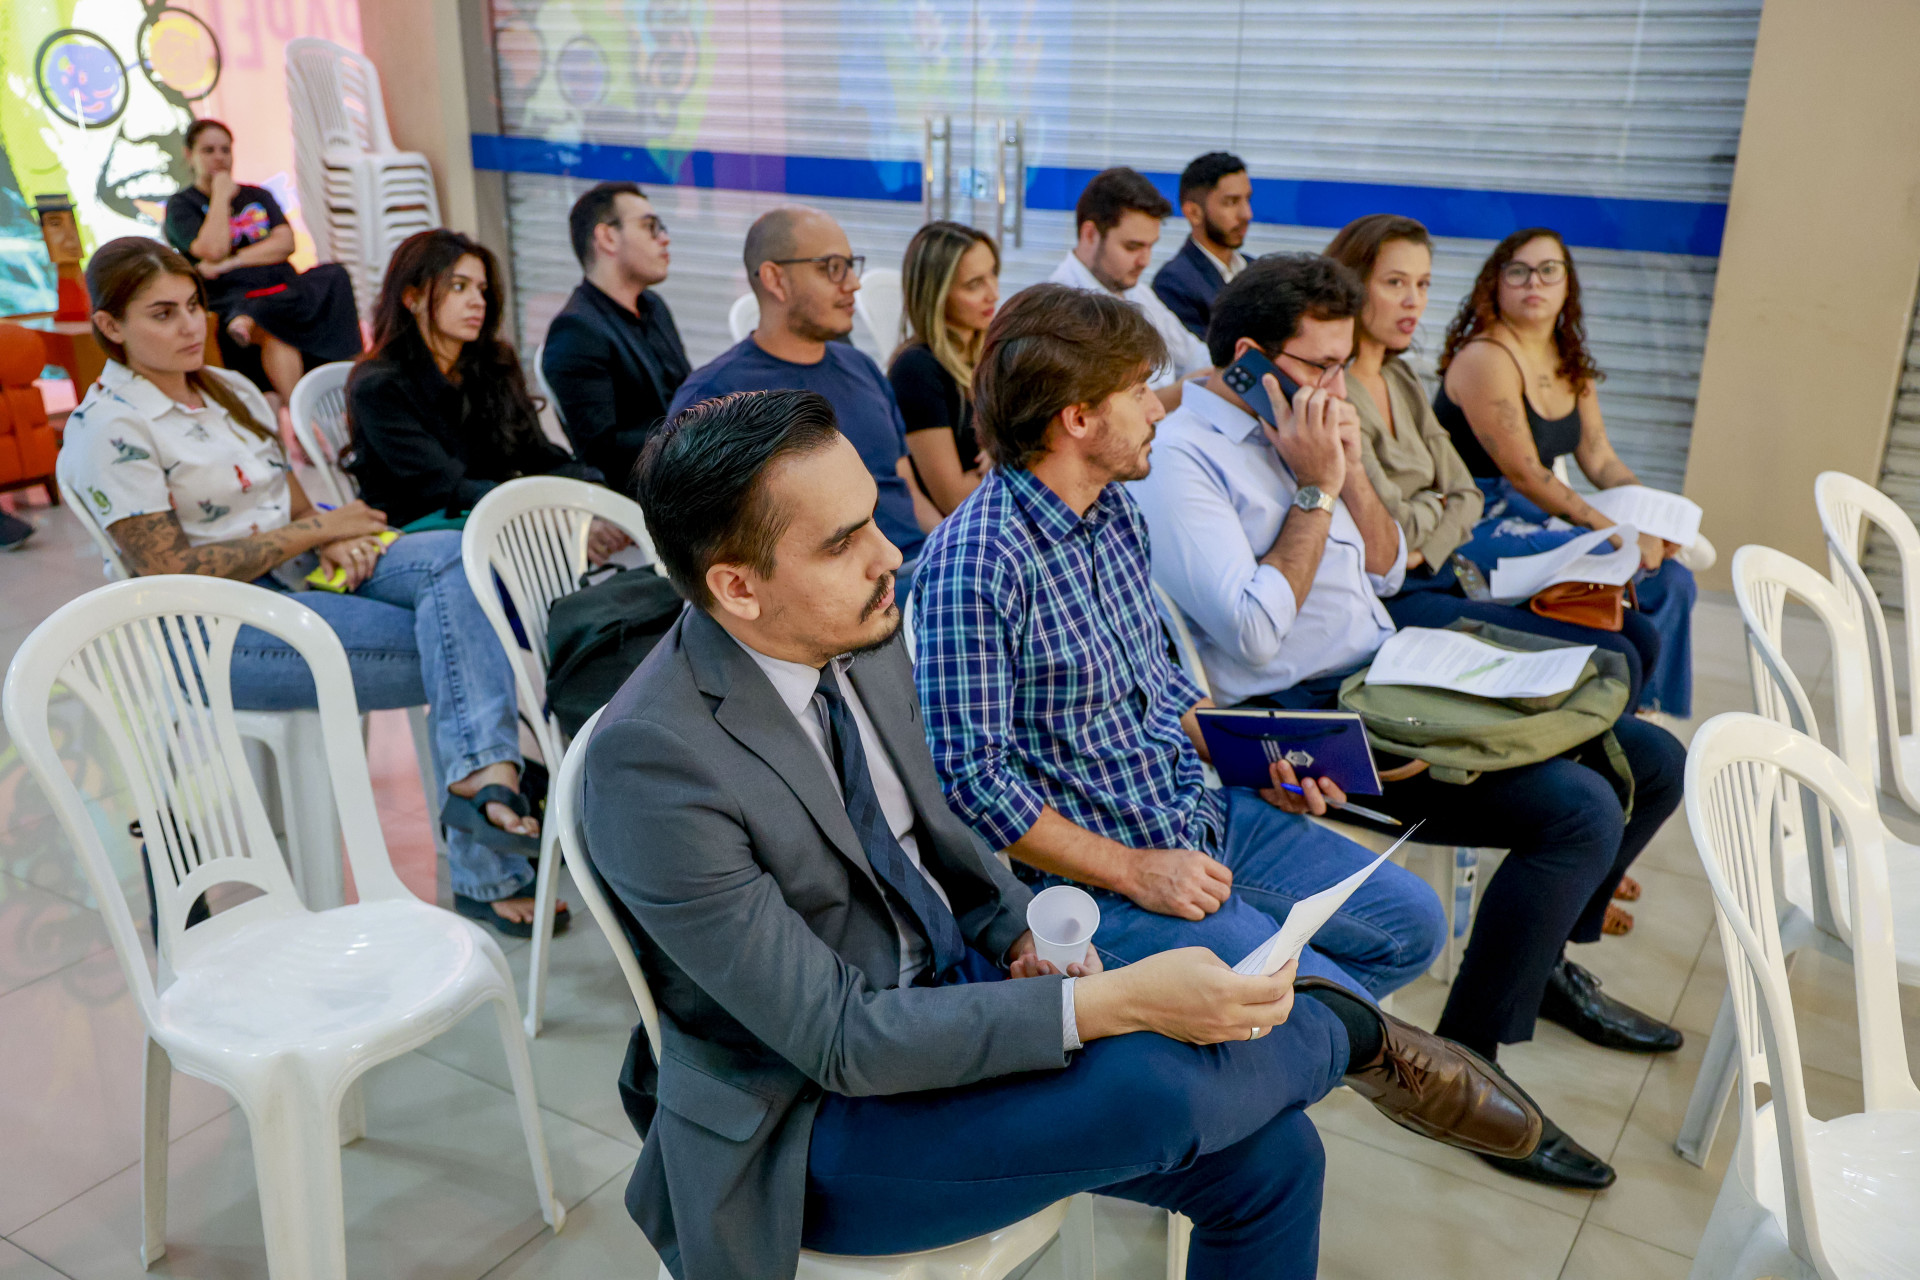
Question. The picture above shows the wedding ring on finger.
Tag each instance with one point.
(1252, 1032)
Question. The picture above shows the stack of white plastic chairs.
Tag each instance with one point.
(360, 197)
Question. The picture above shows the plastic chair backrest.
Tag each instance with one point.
(113, 565)
(150, 659)
(1763, 579)
(532, 532)
(1731, 783)
(743, 317)
(342, 89)
(1182, 638)
(568, 812)
(879, 303)
(318, 408)
(541, 385)
(1847, 505)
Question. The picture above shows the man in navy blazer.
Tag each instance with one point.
(613, 357)
(1216, 198)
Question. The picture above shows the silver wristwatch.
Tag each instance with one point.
(1310, 497)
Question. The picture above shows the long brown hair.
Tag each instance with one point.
(1358, 244)
(1481, 309)
(926, 278)
(494, 398)
(120, 269)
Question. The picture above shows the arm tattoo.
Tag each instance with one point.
(157, 544)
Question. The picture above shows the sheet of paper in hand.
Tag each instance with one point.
(1586, 558)
(1451, 660)
(1306, 917)
(1664, 515)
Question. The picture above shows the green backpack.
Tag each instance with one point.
(1462, 735)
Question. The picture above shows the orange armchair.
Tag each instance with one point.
(28, 445)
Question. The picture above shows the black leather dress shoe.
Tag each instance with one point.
(1574, 1000)
(1558, 1161)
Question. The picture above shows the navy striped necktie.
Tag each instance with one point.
(889, 861)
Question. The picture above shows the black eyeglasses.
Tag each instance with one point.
(1517, 274)
(836, 265)
(1323, 367)
(654, 227)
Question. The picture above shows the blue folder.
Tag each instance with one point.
(1318, 744)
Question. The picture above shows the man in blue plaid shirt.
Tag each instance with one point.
(1061, 730)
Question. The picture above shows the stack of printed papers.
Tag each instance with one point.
(1664, 515)
(1457, 661)
(1587, 558)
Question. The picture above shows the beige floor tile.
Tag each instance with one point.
(440, 1188)
(1700, 999)
(1671, 850)
(1600, 1254)
(41, 933)
(583, 1040)
(600, 1240)
(1387, 1216)
(1661, 1199)
(18, 1265)
(71, 1047)
(1648, 968)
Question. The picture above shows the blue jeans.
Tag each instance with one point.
(1218, 1133)
(413, 634)
(1382, 938)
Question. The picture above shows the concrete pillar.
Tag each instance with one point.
(1817, 272)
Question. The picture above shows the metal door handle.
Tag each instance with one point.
(936, 170)
(1011, 182)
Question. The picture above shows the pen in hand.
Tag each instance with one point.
(1358, 811)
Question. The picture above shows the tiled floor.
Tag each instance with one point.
(440, 1186)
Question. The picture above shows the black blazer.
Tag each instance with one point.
(1188, 285)
(768, 945)
(614, 376)
(415, 455)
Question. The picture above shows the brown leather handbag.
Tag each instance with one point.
(1584, 604)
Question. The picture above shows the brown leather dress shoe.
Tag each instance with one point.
(1443, 1091)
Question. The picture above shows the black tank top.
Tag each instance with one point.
(1551, 436)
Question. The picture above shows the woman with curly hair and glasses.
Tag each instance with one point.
(1519, 390)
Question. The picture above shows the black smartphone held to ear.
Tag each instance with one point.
(1244, 376)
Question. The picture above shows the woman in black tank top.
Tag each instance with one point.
(1518, 346)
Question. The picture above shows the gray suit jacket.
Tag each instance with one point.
(764, 934)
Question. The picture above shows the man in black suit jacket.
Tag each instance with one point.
(613, 356)
(1216, 197)
(862, 1051)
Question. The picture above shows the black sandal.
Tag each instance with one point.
(475, 909)
(469, 814)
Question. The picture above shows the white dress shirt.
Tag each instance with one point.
(1185, 353)
(1214, 501)
(1232, 267)
(796, 684)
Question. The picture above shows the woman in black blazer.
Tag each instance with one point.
(439, 408)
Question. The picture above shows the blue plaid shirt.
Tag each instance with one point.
(1044, 675)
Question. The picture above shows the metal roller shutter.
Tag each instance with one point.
(1613, 103)
(1900, 473)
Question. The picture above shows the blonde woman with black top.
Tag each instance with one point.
(951, 282)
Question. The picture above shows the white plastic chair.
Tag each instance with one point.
(878, 306)
(1808, 865)
(290, 739)
(743, 317)
(989, 1257)
(319, 412)
(1847, 507)
(542, 387)
(282, 1006)
(1803, 1198)
(532, 533)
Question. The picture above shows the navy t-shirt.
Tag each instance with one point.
(861, 398)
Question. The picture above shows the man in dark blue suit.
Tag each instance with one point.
(1216, 197)
(613, 356)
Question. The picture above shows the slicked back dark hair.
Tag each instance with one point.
(701, 481)
(1266, 301)
(1112, 195)
(1203, 174)
(598, 206)
(1050, 347)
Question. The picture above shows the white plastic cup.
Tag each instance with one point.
(1064, 920)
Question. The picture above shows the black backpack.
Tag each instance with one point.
(597, 636)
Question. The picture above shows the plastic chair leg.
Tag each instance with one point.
(430, 784)
(1719, 1071)
(1179, 1233)
(546, 891)
(520, 1070)
(155, 1113)
(1076, 1240)
(353, 1113)
(296, 1159)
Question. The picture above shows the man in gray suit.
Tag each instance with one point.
(862, 1052)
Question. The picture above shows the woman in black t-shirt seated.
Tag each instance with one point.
(275, 322)
(439, 407)
(950, 283)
